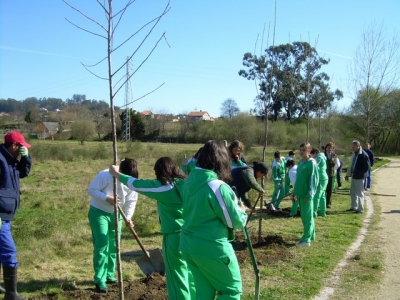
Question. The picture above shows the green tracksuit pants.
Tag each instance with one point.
(180, 284)
(104, 249)
(278, 193)
(295, 206)
(320, 199)
(287, 184)
(307, 218)
(220, 276)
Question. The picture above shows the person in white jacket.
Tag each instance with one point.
(101, 220)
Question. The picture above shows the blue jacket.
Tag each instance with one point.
(11, 170)
(361, 166)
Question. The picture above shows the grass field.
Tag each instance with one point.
(54, 241)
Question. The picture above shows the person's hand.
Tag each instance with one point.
(130, 224)
(114, 170)
(110, 200)
(260, 194)
(279, 186)
(237, 157)
(23, 151)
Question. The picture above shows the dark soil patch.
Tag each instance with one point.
(153, 287)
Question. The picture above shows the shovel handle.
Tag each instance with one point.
(254, 207)
(133, 231)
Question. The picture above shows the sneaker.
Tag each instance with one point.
(304, 244)
(328, 206)
(358, 212)
(100, 290)
(351, 209)
(271, 207)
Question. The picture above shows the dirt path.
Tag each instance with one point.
(385, 184)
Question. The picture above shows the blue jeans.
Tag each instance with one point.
(367, 181)
(8, 251)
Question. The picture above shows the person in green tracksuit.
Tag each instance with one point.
(278, 176)
(102, 221)
(320, 196)
(166, 190)
(211, 214)
(304, 189)
(235, 150)
(189, 164)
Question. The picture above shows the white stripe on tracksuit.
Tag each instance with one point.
(215, 186)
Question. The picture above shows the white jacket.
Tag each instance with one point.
(103, 186)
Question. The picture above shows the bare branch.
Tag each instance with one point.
(87, 17)
(106, 12)
(92, 72)
(86, 29)
(121, 12)
(152, 50)
(145, 25)
(143, 95)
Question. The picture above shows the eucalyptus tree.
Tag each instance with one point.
(290, 80)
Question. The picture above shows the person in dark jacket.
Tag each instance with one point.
(358, 169)
(367, 181)
(339, 173)
(332, 164)
(11, 170)
(245, 178)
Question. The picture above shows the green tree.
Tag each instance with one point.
(82, 130)
(287, 76)
(137, 126)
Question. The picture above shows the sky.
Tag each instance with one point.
(194, 68)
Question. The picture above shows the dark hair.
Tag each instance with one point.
(214, 156)
(197, 153)
(128, 166)
(290, 163)
(330, 144)
(291, 153)
(235, 144)
(314, 151)
(260, 166)
(277, 154)
(166, 170)
(8, 144)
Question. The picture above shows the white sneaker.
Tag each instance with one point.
(304, 244)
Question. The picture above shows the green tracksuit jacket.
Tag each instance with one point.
(211, 215)
(278, 176)
(305, 188)
(320, 196)
(169, 204)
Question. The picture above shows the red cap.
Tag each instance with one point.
(16, 137)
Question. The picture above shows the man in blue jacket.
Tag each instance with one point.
(11, 170)
(358, 169)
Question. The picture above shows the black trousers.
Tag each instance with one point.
(329, 191)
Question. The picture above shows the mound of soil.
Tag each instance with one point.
(153, 287)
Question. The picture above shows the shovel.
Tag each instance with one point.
(251, 252)
(152, 261)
